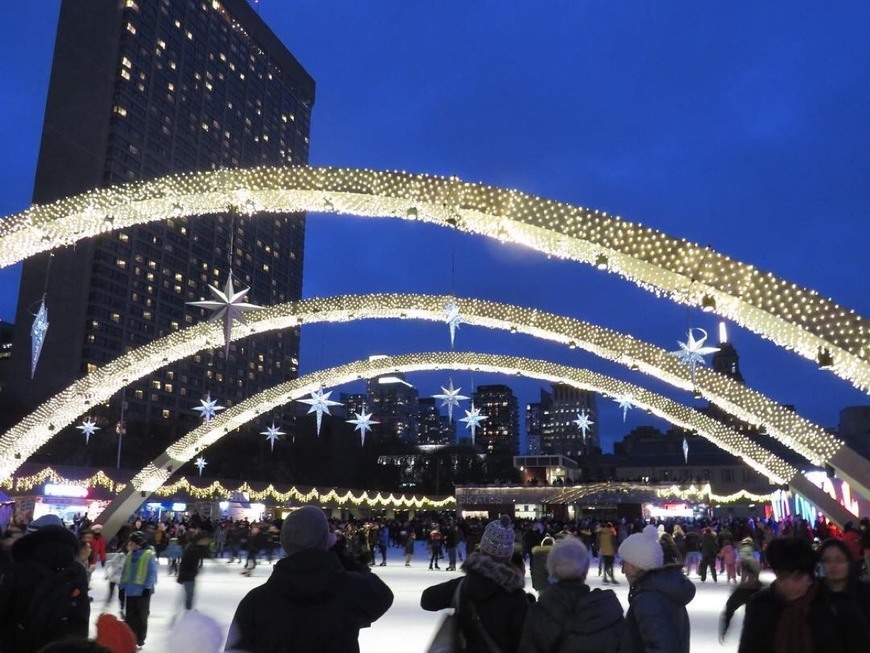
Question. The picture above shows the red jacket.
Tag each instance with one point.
(98, 546)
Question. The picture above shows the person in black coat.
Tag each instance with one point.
(310, 603)
(796, 613)
(44, 558)
(492, 603)
(188, 568)
(840, 571)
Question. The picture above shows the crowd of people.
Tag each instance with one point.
(321, 592)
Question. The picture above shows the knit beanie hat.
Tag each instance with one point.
(568, 560)
(498, 538)
(114, 634)
(306, 528)
(643, 549)
(194, 632)
(44, 521)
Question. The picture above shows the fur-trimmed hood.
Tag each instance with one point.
(487, 576)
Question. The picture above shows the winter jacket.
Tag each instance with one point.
(188, 567)
(538, 564)
(496, 590)
(569, 618)
(36, 556)
(310, 604)
(114, 567)
(657, 619)
(836, 625)
(133, 582)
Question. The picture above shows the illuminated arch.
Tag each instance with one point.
(806, 438)
(791, 316)
(156, 473)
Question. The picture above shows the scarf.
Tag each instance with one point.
(793, 629)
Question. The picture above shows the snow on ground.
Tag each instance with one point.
(406, 628)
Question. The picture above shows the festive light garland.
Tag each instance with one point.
(49, 475)
(806, 438)
(791, 316)
(155, 474)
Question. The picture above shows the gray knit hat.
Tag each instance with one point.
(306, 528)
(498, 538)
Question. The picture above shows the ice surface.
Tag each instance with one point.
(405, 628)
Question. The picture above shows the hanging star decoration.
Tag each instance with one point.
(453, 318)
(37, 336)
(208, 409)
(625, 402)
(362, 422)
(685, 450)
(88, 427)
(320, 403)
(450, 398)
(692, 351)
(200, 464)
(227, 305)
(583, 423)
(472, 420)
(272, 433)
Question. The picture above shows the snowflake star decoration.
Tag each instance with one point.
(320, 403)
(37, 336)
(692, 351)
(685, 449)
(626, 402)
(453, 318)
(583, 423)
(228, 306)
(472, 420)
(362, 422)
(209, 408)
(88, 427)
(272, 433)
(450, 398)
(200, 464)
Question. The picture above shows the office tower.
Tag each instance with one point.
(552, 420)
(394, 403)
(434, 428)
(140, 89)
(501, 428)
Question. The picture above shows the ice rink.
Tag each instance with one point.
(405, 628)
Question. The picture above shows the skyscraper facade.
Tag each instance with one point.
(552, 421)
(501, 428)
(140, 89)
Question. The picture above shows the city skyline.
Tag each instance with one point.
(754, 144)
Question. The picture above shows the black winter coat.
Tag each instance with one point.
(188, 568)
(569, 618)
(657, 619)
(496, 589)
(837, 626)
(35, 556)
(310, 604)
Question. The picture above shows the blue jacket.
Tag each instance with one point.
(657, 619)
(131, 565)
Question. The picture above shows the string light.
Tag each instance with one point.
(806, 438)
(793, 317)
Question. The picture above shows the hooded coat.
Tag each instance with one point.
(496, 590)
(571, 618)
(657, 619)
(36, 556)
(310, 604)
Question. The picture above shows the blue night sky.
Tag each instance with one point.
(740, 126)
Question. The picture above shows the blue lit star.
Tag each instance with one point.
(209, 408)
(37, 336)
(472, 420)
(272, 433)
(88, 427)
(453, 318)
(450, 398)
(362, 422)
(583, 423)
(692, 351)
(320, 403)
(685, 449)
(200, 464)
(625, 402)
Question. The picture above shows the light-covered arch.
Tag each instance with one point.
(806, 438)
(791, 316)
(157, 472)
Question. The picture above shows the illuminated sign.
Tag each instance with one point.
(179, 507)
(54, 490)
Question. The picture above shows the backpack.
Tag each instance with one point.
(53, 605)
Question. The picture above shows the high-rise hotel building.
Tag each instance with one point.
(140, 89)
